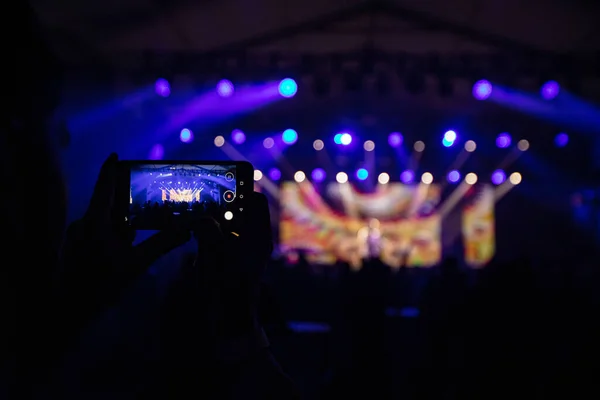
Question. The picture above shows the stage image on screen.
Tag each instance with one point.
(161, 193)
(397, 223)
(478, 227)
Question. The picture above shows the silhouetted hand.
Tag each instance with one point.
(98, 258)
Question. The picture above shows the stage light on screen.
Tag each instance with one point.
(407, 176)
(318, 175)
(225, 88)
(470, 146)
(503, 140)
(186, 136)
(383, 178)
(219, 141)
(228, 215)
(395, 139)
(238, 136)
(427, 178)
(515, 178)
(341, 177)
(498, 177)
(258, 175)
(318, 145)
(419, 146)
(274, 174)
(268, 143)
(453, 176)
(369, 145)
(362, 174)
(288, 87)
(299, 176)
(482, 89)
(162, 87)
(550, 90)
(289, 136)
(561, 140)
(345, 139)
(523, 145)
(471, 178)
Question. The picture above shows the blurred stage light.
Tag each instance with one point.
(268, 143)
(383, 178)
(503, 140)
(299, 176)
(318, 145)
(341, 177)
(498, 177)
(258, 174)
(515, 178)
(274, 174)
(225, 88)
(419, 146)
(238, 136)
(471, 178)
(288, 87)
(395, 139)
(449, 138)
(453, 176)
(561, 140)
(345, 139)
(470, 146)
(157, 152)
(407, 176)
(289, 136)
(318, 175)
(219, 141)
(186, 136)
(362, 174)
(162, 87)
(523, 145)
(228, 215)
(550, 90)
(482, 89)
(337, 139)
(369, 145)
(427, 178)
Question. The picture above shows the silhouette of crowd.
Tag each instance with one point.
(167, 211)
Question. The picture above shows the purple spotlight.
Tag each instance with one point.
(238, 136)
(453, 176)
(318, 175)
(407, 176)
(482, 89)
(498, 177)
(186, 136)
(345, 139)
(395, 139)
(503, 140)
(225, 88)
(561, 140)
(162, 87)
(550, 90)
(157, 152)
(274, 174)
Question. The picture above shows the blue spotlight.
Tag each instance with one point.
(482, 89)
(288, 87)
(362, 174)
(337, 139)
(289, 136)
(186, 136)
(561, 140)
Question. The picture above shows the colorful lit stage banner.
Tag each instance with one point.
(398, 223)
(478, 227)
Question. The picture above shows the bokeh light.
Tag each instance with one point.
(299, 176)
(515, 178)
(482, 89)
(228, 215)
(470, 146)
(362, 174)
(288, 87)
(427, 178)
(550, 90)
(186, 136)
(383, 178)
(503, 140)
(268, 143)
(157, 152)
(407, 176)
(162, 87)
(318, 175)
(219, 141)
(258, 175)
(419, 146)
(341, 177)
(274, 174)
(238, 136)
(449, 138)
(345, 139)
(471, 178)
(369, 145)
(318, 145)
(523, 145)
(395, 139)
(225, 88)
(561, 140)
(289, 136)
(498, 177)
(453, 176)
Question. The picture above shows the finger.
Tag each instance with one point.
(146, 253)
(211, 244)
(102, 197)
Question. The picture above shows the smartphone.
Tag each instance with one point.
(153, 195)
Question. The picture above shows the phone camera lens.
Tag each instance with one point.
(229, 196)
(229, 176)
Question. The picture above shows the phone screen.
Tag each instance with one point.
(162, 194)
